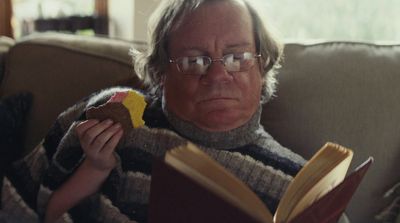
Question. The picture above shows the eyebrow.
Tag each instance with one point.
(238, 45)
(192, 48)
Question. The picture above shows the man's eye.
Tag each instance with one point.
(238, 56)
(194, 60)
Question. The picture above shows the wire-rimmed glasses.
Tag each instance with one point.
(198, 65)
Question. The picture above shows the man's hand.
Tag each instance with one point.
(98, 141)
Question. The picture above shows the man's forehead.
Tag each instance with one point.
(203, 47)
(212, 43)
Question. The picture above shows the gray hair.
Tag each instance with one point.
(151, 64)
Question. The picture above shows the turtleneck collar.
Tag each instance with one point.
(231, 139)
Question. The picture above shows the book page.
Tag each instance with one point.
(326, 169)
(331, 206)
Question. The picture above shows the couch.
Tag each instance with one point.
(343, 92)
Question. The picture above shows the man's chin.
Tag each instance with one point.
(221, 121)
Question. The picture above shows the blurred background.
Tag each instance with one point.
(293, 20)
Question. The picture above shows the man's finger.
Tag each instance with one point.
(85, 125)
(90, 135)
(105, 136)
(111, 144)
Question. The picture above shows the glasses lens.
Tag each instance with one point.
(193, 65)
(239, 61)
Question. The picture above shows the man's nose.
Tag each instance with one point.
(217, 73)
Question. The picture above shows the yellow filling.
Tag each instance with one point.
(135, 103)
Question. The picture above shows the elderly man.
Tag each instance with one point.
(209, 67)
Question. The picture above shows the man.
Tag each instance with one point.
(210, 67)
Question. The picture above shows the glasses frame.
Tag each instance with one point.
(212, 60)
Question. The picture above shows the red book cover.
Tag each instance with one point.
(331, 206)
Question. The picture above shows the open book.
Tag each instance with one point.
(189, 186)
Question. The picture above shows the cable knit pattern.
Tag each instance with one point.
(248, 152)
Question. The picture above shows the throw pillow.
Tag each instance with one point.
(13, 113)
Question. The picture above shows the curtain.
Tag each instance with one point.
(5, 18)
(101, 19)
(100, 7)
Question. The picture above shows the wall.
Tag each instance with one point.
(143, 10)
(128, 18)
(121, 18)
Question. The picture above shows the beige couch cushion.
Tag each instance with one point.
(346, 93)
(59, 70)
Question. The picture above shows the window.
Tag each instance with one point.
(354, 20)
(26, 12)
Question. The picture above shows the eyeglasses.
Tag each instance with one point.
(198, 65)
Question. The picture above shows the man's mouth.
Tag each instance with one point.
(216, 99)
